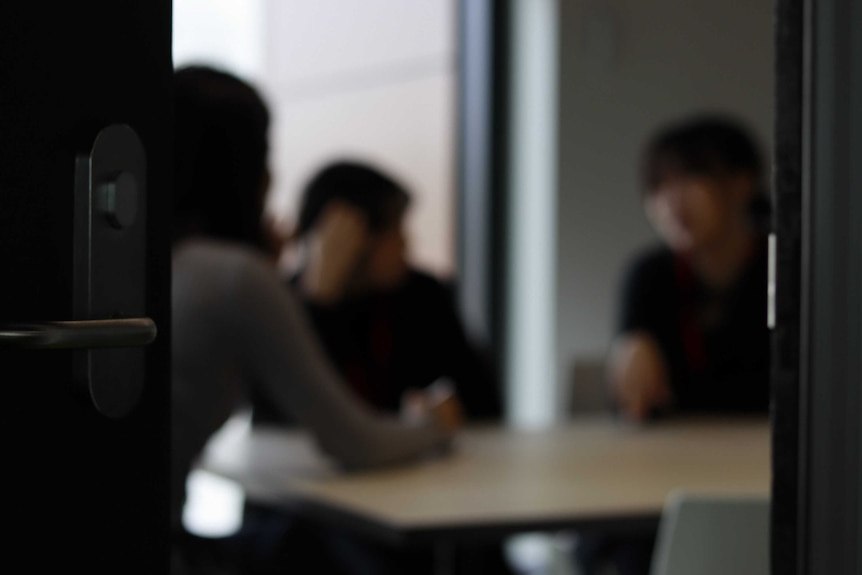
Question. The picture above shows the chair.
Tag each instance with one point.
(588, 390)
(713, 535)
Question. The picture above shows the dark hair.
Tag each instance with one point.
(381, 199)
(220, 156)
(707, 145)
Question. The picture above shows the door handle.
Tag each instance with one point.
(86, 334)
(107, 322)
(109, 275)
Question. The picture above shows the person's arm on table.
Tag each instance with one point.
(637, 372)
(638, 376)
(277, 347)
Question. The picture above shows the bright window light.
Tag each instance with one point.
(223, 33)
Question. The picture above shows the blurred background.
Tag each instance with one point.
(373, 80)
(567, 89)
(517, 125)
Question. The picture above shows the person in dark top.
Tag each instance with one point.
(391, 343)
(692, 334)
(393, 330)
(713, 343)
(394, 333)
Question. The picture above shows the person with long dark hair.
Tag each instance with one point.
(235, 328)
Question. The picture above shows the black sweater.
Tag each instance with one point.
(716, 345)
(387, 343)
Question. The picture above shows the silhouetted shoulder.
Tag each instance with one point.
(648, 266)
(211, 260)
(425, 282)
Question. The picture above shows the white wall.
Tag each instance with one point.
(624, 67)
(530, 367)
(221, 33)
(370, 79)
(373, 80)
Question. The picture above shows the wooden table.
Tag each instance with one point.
(590, 474)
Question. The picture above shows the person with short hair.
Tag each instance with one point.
(692, 334)
(391, 329)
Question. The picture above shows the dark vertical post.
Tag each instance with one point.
(787, 186)
(831, 367)
(482, 150)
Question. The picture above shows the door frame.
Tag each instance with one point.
(817, 360)
(831, 342)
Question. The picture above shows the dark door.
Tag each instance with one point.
(817, 360)
(84, 491)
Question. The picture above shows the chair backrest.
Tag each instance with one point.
(713, 535)
(588, 391)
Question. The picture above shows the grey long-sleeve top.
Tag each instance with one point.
(235, 326)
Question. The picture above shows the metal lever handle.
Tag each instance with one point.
(79, 334)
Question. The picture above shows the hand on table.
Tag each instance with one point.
(338, 243)
(449, 414)
(438, 403)
(638, 376)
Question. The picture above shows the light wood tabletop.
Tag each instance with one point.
(590, 473)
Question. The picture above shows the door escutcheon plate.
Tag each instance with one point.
(110, 263)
